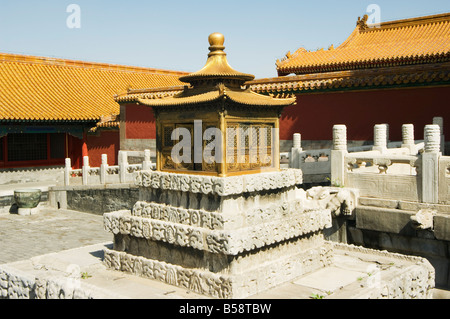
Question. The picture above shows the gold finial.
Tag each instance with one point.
(216, 41)
(216, 67)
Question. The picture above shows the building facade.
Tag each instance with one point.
(52, 109)
(397, 73)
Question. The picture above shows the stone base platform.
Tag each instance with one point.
(355, 273)
(218, 275)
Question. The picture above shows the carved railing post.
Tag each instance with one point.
(408, 138)
(147, 163)
(67, 172)
(338, 154)
(297, 141)
(295, 158)
(430, 164)
(123, 166)
(440, 121)
(380, 138)
(103, 169)
(85, 170)
(388, 137)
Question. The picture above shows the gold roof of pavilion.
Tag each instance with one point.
(215, 81)
(191, 97)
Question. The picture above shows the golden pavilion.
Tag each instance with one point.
(226, 128)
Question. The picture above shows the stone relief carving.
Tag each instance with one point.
(218, 286)
(423, 219)
(162, 212)
(341, 202)
(219, 185)
(273, 227)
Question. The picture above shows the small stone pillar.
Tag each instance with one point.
(380, 138)
(388, 136)
(147, 163)
(103, 169)
(408, 138)
(67, 171)
(295, 158)
(85, 170)
(297, 141)
(338, 154)
(440, 121)
(430, 164)
(123, 165)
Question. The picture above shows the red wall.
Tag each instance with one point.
(74, 151)
(107, 142)
(315, 114)
(140, 122)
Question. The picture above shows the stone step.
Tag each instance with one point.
(402, 205)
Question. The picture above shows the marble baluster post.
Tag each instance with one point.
(67, 172)
(430, 164)
(85, 170)
(380, 138)
(296, 150)
(147, 163)
(103, 169)
(408, 138)
(440, 121)
(338, 154)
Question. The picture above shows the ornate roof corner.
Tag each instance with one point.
(362, 23)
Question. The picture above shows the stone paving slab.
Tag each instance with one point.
(329, 279)
(51, 230)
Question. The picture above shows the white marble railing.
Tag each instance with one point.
(107, 174)
(412, 172)
(384, 156)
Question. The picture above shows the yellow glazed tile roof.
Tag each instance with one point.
(401, 42)
(47, 89)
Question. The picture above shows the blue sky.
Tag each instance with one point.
(173, 34)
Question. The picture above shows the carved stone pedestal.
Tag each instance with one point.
(228, 237)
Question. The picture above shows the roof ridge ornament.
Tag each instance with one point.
(362, 23)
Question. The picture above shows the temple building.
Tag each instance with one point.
(52, 109)
(394, 73)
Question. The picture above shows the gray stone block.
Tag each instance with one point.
(385, 220)
(442, 227)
